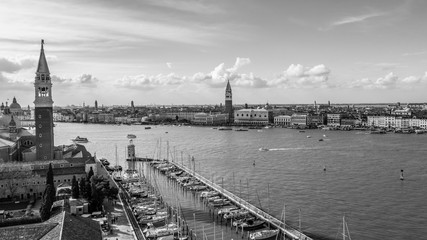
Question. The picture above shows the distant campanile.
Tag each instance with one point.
(229, 102)
(43, 109)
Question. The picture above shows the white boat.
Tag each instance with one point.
(80, 140)
(263, 149)
(264, 234)
(131, 136)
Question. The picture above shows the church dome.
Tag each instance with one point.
(12, 122)
(14, 105)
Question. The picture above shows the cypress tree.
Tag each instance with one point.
(75, 188)
(88, 189)
(90, 174)
(83, 187)
(49, 175)
(45, 208)
(49, 181)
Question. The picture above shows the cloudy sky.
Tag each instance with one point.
(183, 51)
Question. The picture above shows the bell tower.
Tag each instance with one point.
(229, 103)
(43, 109)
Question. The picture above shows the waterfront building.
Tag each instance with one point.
(210, 119)
(301, 120)
(333, 119)
(283, 120)
(229, 102)
(253, 117)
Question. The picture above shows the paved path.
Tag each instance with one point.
(122, 230)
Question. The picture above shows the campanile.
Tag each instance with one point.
(43, 109)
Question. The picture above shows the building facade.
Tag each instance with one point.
(253, 117)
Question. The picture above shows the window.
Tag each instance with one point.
(40, 125)
(40, 145)
(62, 165)
(40, 135)
(71, 165)
(42, 167)
(40, 116)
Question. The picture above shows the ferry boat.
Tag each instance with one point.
(79, 139)
(264, 235)
(131, 136)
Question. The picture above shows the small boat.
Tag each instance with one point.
(80, 140)
(264, 235)
(241, 130)
(301, 131)
(321, 140)
(308, 136)
(131, 136)
(147, 127)
(224, 129)
(251, 224)
(263, 149)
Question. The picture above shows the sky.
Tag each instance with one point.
(177, 52)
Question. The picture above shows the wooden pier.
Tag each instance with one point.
(288, 231)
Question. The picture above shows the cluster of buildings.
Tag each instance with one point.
(25, 156)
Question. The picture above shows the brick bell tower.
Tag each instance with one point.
(229, 103)
(43, 109)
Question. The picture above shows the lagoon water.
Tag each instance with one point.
(361, 180)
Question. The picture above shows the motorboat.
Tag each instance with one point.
(225, 129)
(264, 234)
(263, 149)
(79, 139)
(241, 130)
(147, 127)
(131, 136)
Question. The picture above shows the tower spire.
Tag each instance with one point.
(42, 67)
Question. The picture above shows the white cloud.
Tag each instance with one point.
(298, 76)
(356, 19)
(411, 79)
(387, 82)
(84, 80)
(218, 77)
(150, 82)
(12, 65)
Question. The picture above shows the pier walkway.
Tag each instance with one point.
(289, 231)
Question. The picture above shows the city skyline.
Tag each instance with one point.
(183, 52)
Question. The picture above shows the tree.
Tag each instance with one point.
(113, 192)
(49, 175)
(75, 188)
(47, 202)
(88, 189)
(83, 187)
(49, 181)
(90, 174)
(100, 188)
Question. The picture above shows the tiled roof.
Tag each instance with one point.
(30, 231)
(76, 227)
